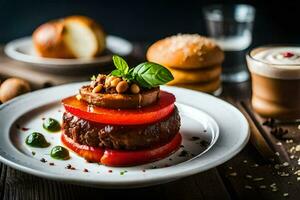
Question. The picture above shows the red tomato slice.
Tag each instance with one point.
(118, 158)
(92, 154)
(146, 115)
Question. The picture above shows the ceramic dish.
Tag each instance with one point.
(22, 50)
(213, 131)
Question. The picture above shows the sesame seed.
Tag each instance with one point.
(248, 187)
(285, 164)
(289, 141)
(233, 174)
(276, 166)
(285, 194)
(258, 179)
(248, 176)
(262, 187)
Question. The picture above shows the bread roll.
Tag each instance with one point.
(195, 75)
(12, 88)
(185, 51)
(71, 37)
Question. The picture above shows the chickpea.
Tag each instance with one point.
(108, 80)
(78, 97)
(122, 86)
(115, 82)
(97, 89)
(134, 88)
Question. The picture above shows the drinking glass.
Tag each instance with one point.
(231, 27)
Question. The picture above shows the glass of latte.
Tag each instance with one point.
(275, 73)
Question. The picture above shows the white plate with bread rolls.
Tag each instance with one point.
(71, 43)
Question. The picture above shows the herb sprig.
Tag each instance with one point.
(147, 74)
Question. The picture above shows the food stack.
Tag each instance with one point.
(195, 61)
(123, 119)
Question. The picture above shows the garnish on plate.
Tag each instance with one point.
(60, 153)
(51, 125)
(36, 139)
(147, 74)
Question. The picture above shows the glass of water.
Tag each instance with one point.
(231, 27)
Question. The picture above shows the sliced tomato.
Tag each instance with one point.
(92, 154)
(118, 158)
(146, 115)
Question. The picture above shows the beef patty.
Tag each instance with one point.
(129, 137)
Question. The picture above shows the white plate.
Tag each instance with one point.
(22, 50)
(202, 116)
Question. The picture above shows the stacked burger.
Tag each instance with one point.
(194, 60)
(123, 119)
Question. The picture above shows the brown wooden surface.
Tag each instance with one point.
(247, 176)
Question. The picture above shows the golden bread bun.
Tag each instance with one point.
(209, 87)
(195, 76)
(186, 51)
(71, 37)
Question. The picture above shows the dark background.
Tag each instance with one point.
(146, 21)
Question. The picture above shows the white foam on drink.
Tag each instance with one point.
(281, 62)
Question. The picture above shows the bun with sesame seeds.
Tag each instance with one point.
(186, 51)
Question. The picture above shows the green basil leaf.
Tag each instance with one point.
(150, 74)
(120, 64)
(116, 72)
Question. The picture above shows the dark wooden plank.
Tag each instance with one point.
(23, 186)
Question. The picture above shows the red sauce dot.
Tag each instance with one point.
(287, 54)
(110, 171)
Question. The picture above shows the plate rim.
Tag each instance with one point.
(56, 63)
(136, 183)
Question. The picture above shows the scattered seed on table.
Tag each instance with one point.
(233, 174)
(289, 141)
(262, 187)
(285, 194)
(248, 187)
(285, 164)
(248, 176)
(258, 179)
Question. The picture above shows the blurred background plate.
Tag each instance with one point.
(22, 50)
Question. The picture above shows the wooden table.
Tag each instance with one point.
(247, 176)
